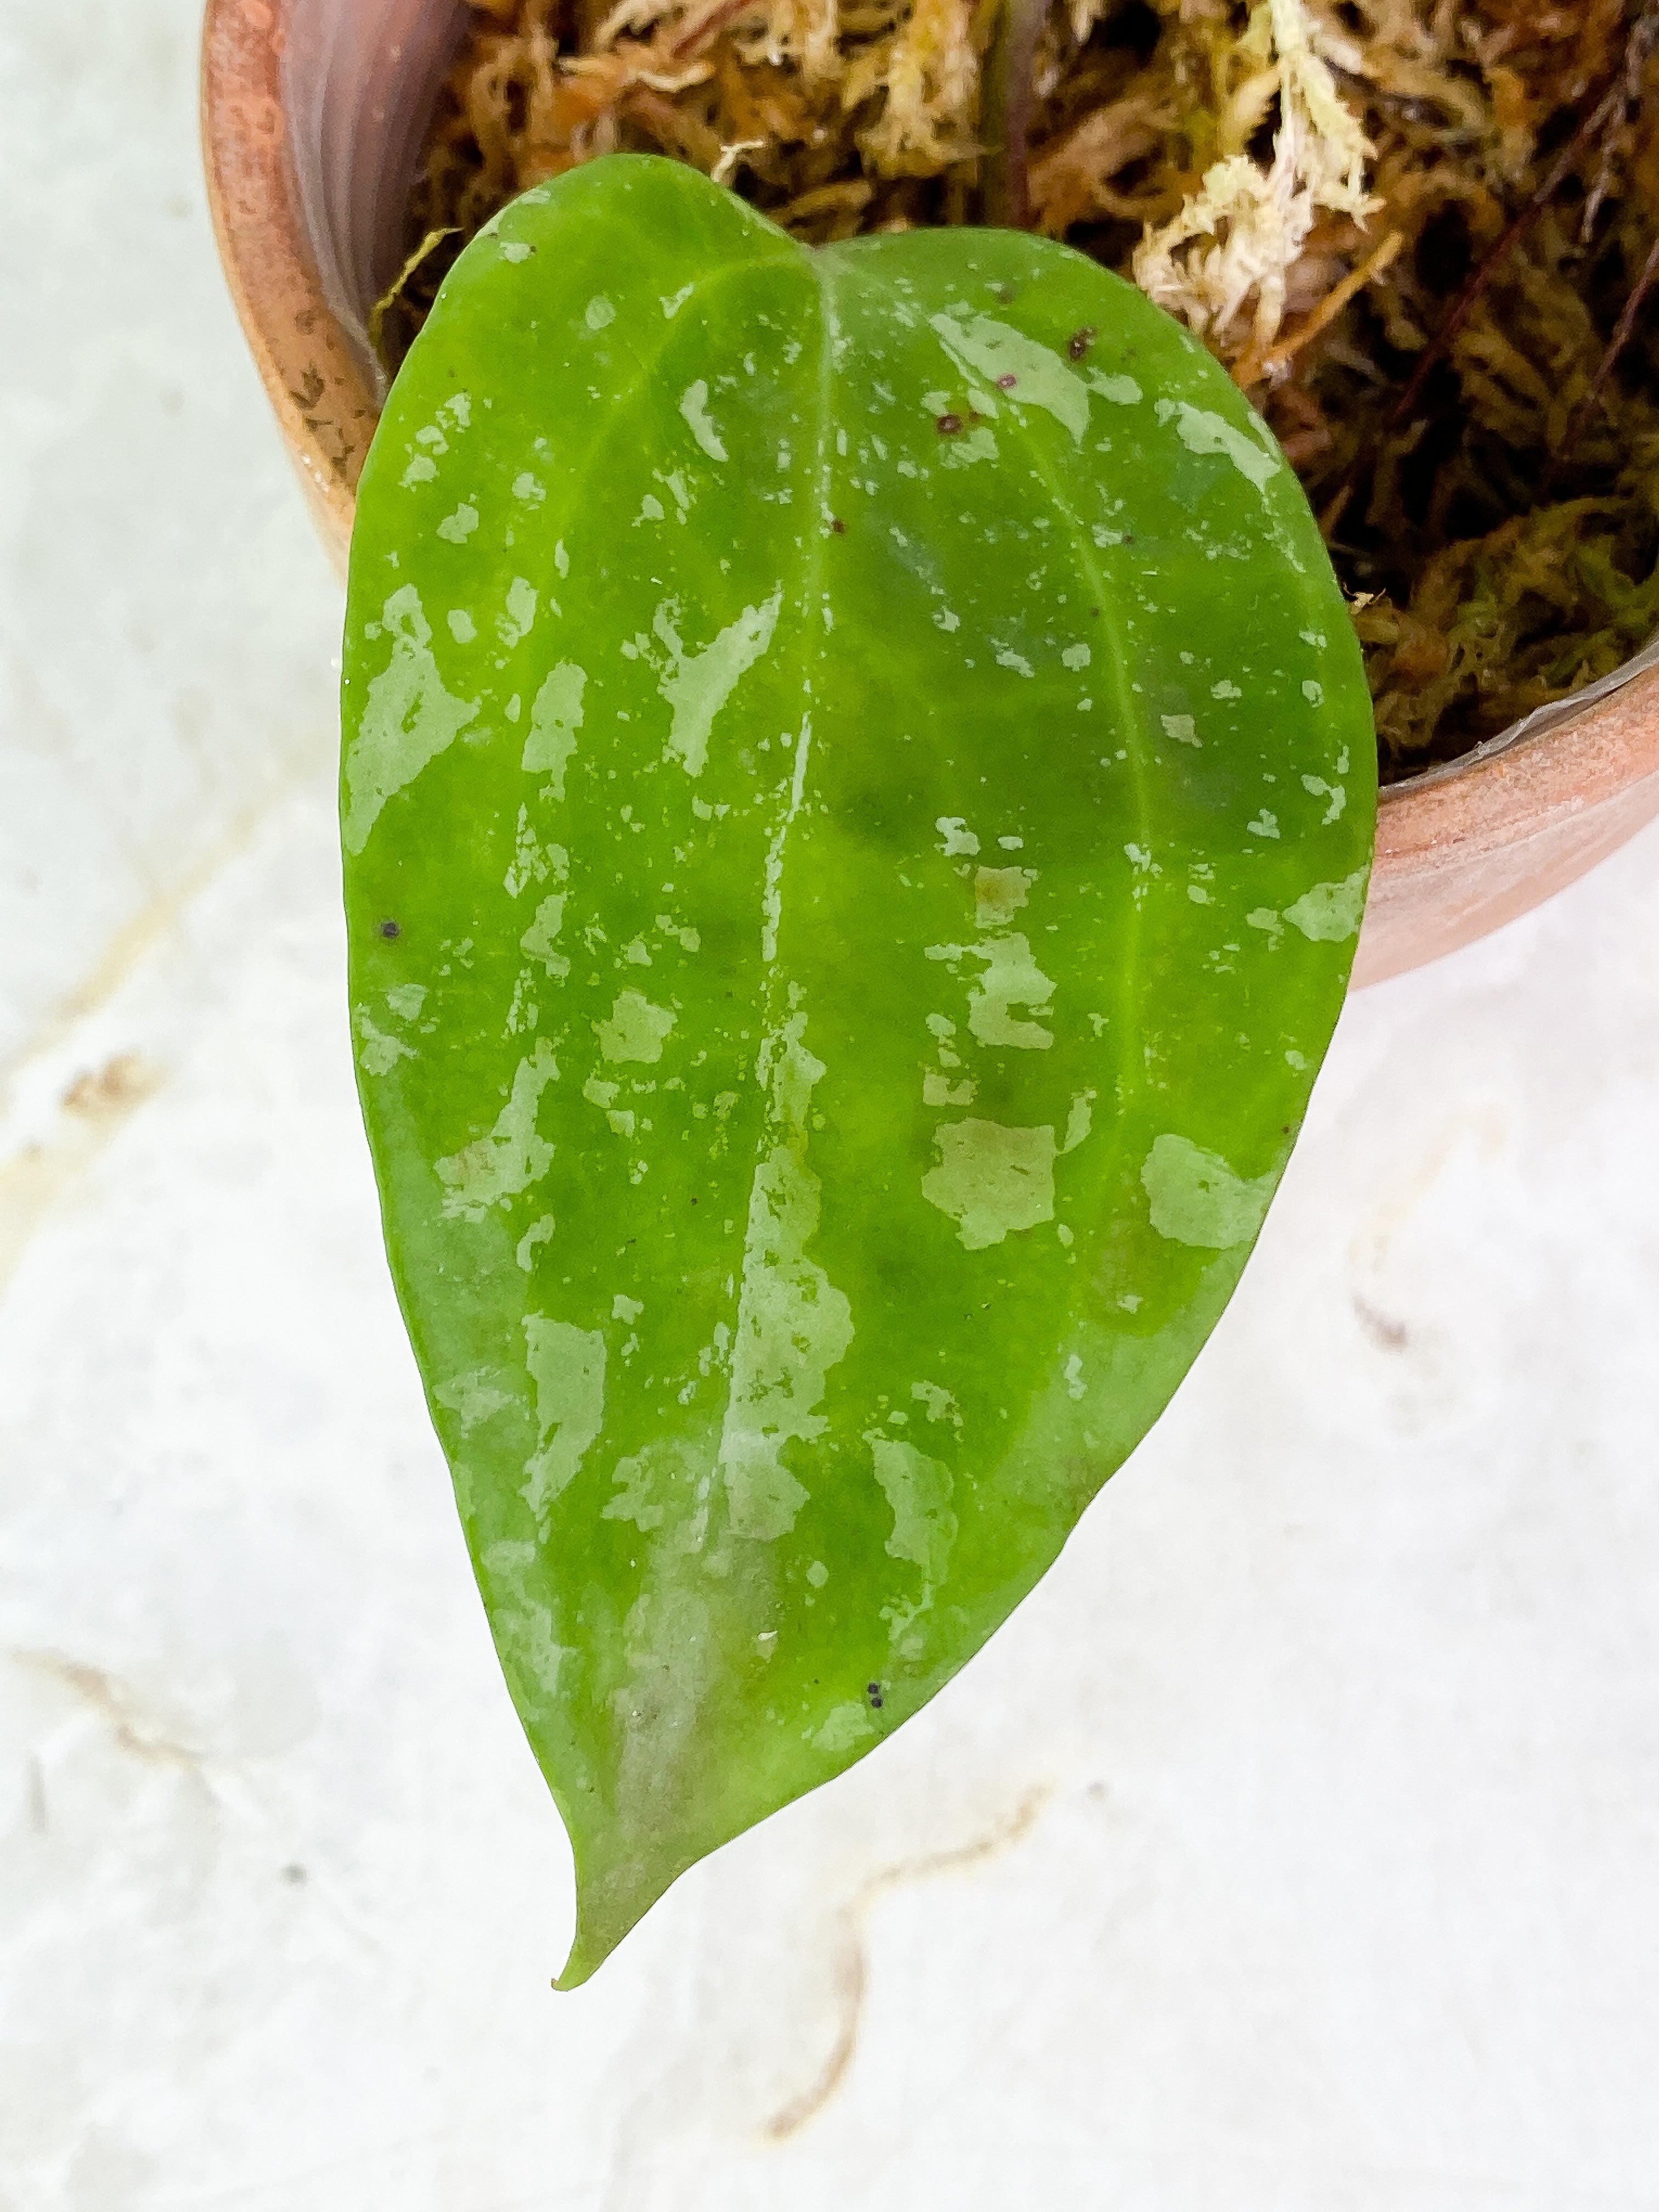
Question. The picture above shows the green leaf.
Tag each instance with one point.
(857, 800)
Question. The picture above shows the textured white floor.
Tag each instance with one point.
(1293, 1851)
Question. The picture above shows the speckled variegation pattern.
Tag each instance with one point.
(857, 800)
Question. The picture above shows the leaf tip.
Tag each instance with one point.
(612, 1898)
(582, 1964)
(598, 1933)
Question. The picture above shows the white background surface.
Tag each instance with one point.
(1293, 1851)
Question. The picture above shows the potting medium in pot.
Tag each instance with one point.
(315, 112)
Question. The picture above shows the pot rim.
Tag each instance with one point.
(311, 373)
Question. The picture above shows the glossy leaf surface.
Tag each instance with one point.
(857, 799)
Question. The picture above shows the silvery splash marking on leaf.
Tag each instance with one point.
(1203, 431)
(1041, 379)
(1330, 913)
(991, 1179)
(514, 1155)
(793, 1324)
(1196, 1198)
(697, 683)
(566, 1366)
(694, 406)
(408, 719)
(554, 722)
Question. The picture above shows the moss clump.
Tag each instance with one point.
(1420, 235)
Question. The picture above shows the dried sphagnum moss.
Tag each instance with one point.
(1319, 194)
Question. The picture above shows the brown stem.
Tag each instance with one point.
(1481, 276)
(1009, 104)
(1641, 37)
(1635, 62)
(1615, 346)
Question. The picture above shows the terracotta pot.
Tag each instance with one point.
(313, 115)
